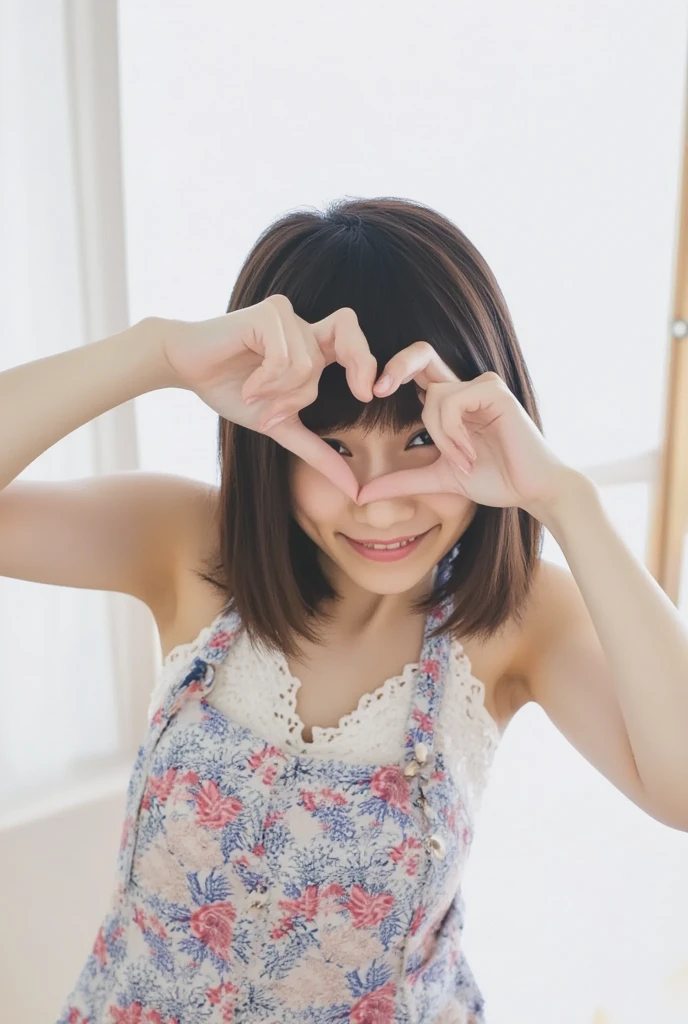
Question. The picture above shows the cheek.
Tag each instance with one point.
(450, 509)
(314, 498)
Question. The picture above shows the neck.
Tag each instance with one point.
(358, 612)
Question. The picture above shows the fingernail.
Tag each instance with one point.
(274, 421)
(384, 383)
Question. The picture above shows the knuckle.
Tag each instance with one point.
(428, 418)
(348, 315)
(276, 363)
(302, 367)
(449, 417)
(318, 361)
(424, 347)
(310, 392)
(280, 302)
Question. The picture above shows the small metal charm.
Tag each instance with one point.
(421, 752)
(422, 767)
(437, 847)
(422, 763)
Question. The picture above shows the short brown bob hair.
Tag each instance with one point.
(409, 274)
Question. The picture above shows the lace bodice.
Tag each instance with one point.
(256, 689)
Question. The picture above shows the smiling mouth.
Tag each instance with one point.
(390, 545)
(387, 551)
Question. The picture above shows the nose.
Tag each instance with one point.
(383, 515)
(386, 513)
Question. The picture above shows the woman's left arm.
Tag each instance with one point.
(606, 652)
(641, 633)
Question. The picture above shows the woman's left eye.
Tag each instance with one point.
(336, 444)
(424, 437)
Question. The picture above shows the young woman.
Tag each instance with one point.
(348, 625)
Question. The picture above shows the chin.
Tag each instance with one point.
(387, 578)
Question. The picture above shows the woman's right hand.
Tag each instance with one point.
(258, 366)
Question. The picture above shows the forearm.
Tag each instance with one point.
(644, 637)
(44, 400)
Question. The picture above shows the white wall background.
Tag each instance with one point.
(551, 134)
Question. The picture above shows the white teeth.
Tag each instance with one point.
(389, 547)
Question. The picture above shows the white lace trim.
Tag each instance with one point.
(256, 689)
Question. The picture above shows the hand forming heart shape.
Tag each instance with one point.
(510, 465)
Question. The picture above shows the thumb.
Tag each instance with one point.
(403, 483)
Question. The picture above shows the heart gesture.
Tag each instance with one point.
(490, 450)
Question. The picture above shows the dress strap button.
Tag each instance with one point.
(437, 848)
(420, 760)
(421, 753)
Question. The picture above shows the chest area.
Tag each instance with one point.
(332, 685)
(327, 683)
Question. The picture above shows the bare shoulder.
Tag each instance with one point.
(186, 510)
(200, 526)
(195, 602)
(503, 664)
(553, 594)
(125, 531)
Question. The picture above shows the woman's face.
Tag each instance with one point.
(338, 526)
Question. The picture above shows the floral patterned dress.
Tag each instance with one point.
(256, 885)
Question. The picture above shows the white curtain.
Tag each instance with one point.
(66, 712)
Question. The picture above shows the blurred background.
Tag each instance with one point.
(144, 145)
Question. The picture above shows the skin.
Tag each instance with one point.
(377, 595)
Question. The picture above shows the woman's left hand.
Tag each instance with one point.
(513, 465)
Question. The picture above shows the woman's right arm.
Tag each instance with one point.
(116, 531)
(43, 401)
(130, 531)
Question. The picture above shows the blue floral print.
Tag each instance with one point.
(253, 885)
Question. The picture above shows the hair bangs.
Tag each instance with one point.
(336, 408)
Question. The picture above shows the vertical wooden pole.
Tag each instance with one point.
(670, 508)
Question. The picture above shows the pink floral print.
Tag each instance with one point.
(257, 886)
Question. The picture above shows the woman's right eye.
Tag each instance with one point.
(336, 444)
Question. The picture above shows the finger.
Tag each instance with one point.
(440, 412)
(418, 361)
(288, 405)
(277, 375)
(453, 426)
(341, 340)
(403, 483)
(312, 449)
(268, 340)
(437, 478)
(300, 397)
